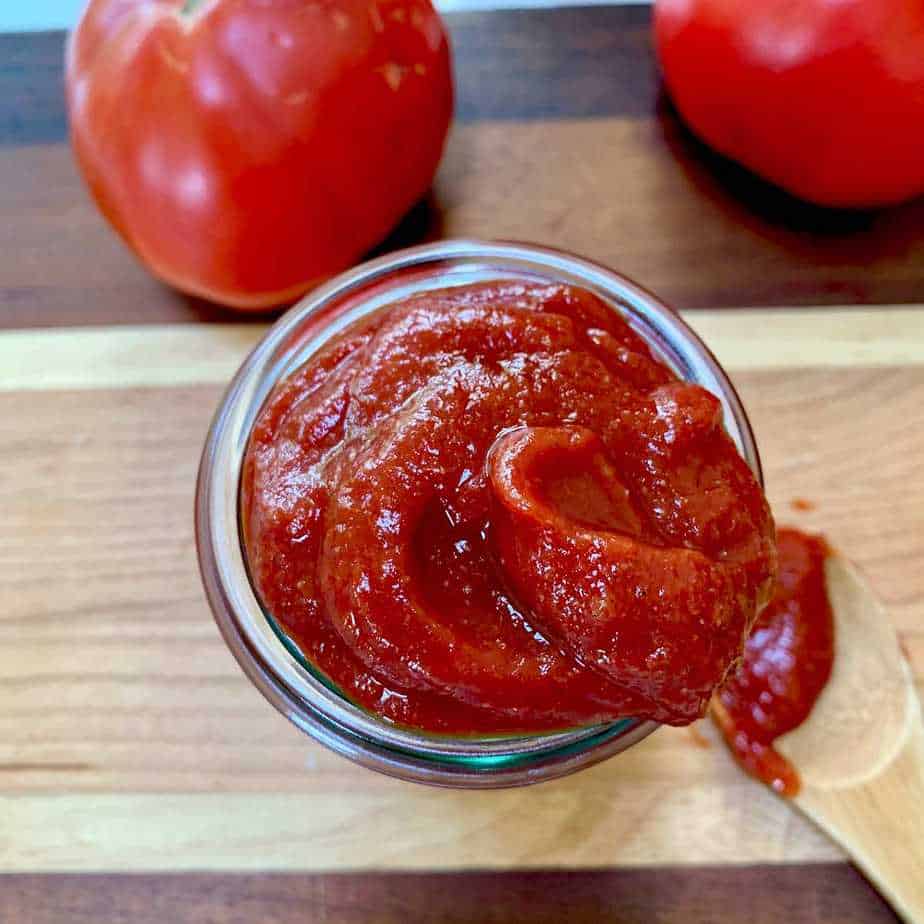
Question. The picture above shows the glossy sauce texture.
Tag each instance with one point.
(787, 662)
(491, 509)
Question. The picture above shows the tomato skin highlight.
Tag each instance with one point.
(246, 150)
(823, 99)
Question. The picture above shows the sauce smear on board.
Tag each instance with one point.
(787, 662)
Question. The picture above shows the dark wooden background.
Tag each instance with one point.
(555, 108)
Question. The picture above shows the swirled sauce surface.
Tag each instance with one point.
(491, 509)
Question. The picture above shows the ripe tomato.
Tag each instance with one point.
(823, 97)
(245, 149)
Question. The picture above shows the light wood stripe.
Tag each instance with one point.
(124, 357)
(812, 338)
(584, 821)
(130, 739)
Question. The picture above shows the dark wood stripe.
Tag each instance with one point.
(45, 767)
(31, 88)
(821, 894)
(509, 64)
(701, 233)
(574, 62)
(525, 161)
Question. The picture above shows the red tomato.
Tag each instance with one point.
(245, 149)
(823, 97)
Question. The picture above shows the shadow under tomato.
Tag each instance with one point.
(734, 187)
(422, 223)
(191, 308)
(815, 233)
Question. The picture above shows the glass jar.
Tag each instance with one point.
(269, 658)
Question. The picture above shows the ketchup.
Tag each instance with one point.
(787, 662)
(491, 509)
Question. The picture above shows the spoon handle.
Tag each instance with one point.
(880, 822)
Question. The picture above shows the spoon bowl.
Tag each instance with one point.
(860, 753)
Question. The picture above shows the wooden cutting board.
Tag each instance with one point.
(129, 739)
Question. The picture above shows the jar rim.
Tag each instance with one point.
(271, 661)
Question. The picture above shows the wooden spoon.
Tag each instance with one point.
(860, 753)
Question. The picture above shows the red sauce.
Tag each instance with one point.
(491, 509)
(787, 661)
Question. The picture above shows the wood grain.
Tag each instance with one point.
(680, 235)
(821, 893)
(562, 138)
(130, 740)
(31, 88)
(508, 64)
(637, 195)
(135, 356)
